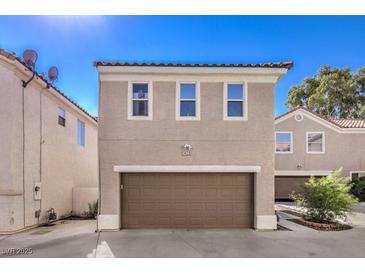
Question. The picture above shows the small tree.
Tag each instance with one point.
(327, 198)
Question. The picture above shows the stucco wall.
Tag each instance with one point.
(345, 150)
(158, 142)
(51, 153)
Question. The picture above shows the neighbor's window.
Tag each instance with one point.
(283, 142)
(234, 101)
(187, 101)
(315, 142)
(80, 133)
(61, 117)
(357, 175)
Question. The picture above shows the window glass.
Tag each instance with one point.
(187, 91)
(187, 100)
(80, 133)
(315, 142)
(283, 142)
(235, 99)
(140, 100)
(187, 108)
(140, 108)
(61, 117)
(235, 109)
(140, 91)
(235, 91)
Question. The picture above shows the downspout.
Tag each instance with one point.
(98, 152)
(40, 149)
(23, 152)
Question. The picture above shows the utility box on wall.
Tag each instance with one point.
(37, 191)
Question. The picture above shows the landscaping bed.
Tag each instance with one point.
(321, 226)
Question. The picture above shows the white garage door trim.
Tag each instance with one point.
(187, 168)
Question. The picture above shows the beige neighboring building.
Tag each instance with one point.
(48, 148)
(310, 145)
(187, 146)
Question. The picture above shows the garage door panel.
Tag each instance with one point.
(187, 200)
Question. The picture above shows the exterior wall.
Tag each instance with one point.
(52, 157)
(345, 150)
(81, 197)
(159, 141)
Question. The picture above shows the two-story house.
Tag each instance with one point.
(310, 145)
(187, 145)
(48, 148)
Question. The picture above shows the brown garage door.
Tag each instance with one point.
(174, 200)
(285, 185)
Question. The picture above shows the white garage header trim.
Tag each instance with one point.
(187, 168)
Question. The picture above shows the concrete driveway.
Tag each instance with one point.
(78, 239)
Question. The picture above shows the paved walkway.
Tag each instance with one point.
(78, 239)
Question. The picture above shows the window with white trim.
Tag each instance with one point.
(187, 101)
(140, 100)
(61, 117)
(235, 104)
(283, 142)
(315, 142)
(80, 133)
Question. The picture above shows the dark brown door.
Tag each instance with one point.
(176, 200)
(285, 185)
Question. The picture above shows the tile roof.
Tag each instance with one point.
(342, 123)
(350, 123)
(14, 57)
(286, 65)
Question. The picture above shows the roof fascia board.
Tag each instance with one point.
(191, 70)
(174, 77)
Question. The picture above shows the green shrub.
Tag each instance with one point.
(326, 199)
(358, 188)
(93, 210)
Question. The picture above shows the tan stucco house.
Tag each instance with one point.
(48, 148)
(310, 145)
(187, 145)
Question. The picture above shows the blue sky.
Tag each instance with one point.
(73, 42)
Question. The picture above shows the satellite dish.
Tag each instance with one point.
(30, 58)
(53, 74)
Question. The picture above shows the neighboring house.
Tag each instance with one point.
(310, 145)
(48, 148)
(187, 145)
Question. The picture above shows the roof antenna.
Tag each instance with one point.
(30, 58)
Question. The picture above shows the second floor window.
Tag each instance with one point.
(234, 102)
(315, 142)
(187, 101)
(80, 133)
(140, 101)
(61, 117)
(283, 142)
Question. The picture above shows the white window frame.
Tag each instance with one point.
(351, 172)
(130, 101)
(291, 143)
(323, 142)
(197, 101)
(244, 103)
